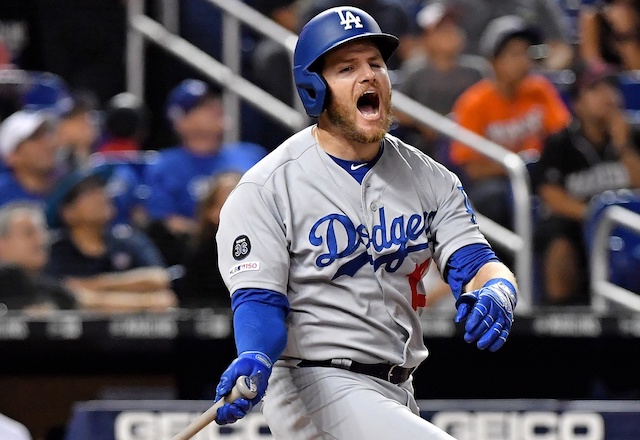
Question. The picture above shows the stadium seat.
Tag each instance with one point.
(624, 245)
(630, 86)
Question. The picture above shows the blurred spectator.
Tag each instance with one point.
(439, 77)
(88, 254)
(271, 71)
(125, 129)
(23, 255)
(46, 91)
(28, 149)
(126, 124)
(515, 109)
(545, 14)
(610, 32)
(125, 186)
(598, 151)
(390, 15)
(78, 131)
(202, 284)
(74, 112)
(180, 176)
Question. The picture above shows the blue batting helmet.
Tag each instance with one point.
(326, 31)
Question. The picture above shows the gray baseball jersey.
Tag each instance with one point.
(348, 256)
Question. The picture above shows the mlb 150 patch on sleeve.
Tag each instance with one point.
(244, 267)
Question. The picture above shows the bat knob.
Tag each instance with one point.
(247, 386)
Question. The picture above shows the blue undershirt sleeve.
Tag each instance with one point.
(465, 263)
(259, 321)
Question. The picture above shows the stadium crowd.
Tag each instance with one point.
(116, 196)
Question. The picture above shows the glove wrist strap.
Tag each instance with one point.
(259, 356)
(512, 290)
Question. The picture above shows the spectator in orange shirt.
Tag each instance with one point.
(515, 109)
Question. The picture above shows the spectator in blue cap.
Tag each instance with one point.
(28, 149)
(90, 254)
(181, 175)
(49, 92)
(74, 111)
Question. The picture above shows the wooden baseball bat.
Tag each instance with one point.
(244, 388)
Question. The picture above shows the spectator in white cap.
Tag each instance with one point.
(28, 148)
(437, 78)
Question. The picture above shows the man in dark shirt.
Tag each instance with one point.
(598, 151)
(89, 254)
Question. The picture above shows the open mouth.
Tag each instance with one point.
(369, 104)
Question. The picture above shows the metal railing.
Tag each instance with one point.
(604, 291)
(141, 27)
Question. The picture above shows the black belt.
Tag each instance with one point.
(392, 373)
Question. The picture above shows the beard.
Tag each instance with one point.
(343, 117)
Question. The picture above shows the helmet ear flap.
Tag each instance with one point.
(312, 89)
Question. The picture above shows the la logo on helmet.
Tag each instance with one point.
(347, 19)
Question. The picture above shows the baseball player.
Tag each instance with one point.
(323, 245)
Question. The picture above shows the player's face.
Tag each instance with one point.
(359, 91)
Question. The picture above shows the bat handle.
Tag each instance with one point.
(244, 388)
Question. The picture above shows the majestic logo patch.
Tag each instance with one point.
(244, 267)
(348, 20)
(241, 247)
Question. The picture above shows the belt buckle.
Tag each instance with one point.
(390, 373)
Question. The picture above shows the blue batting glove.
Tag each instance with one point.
(488, 312)
(254, 364)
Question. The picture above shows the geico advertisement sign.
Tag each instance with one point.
(463, 425)
(138, 425)
(541, 425)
